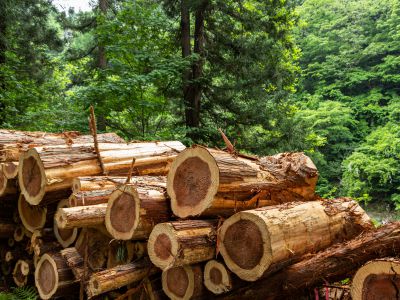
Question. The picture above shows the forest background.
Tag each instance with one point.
(319, 76)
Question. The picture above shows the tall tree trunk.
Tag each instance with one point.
(102, 65)
(186, 51)
(3, 46)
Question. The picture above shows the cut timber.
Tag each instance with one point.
(134, 209)
(333, 264)
(21, 272)
(66, 237)
(84, 198)
(218, 279)
(80, 216)
(181, 243)
(96, 183)
(50, 170)
(201, 178)
(378, 279)
(111, 279)
(7, 229)
(75, 261)
(263, 240)
(10, 169)
(33, 217)
(53, 278)
(183, 283)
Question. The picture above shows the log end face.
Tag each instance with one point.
(192, 182)
(65, 236)
(216, 278)
(32, 216)
(176, 283)
(46, 277)
(10, 169)
(162, 246)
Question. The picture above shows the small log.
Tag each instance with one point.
(53, 278)
(10, 169)
(96, 183)
(377, 279)
(66, 237)
(84, 198)
(50, 170)
(181, 243)
(114, 278)
(134, 209)
(264, 240)
(75, 261)
(184, 283)
(81, 216)
(7, 229)
(43, 241)
(33, 217)
(21, 271)
(218, 279)
(212, 182)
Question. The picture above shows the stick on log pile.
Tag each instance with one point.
(156, 220)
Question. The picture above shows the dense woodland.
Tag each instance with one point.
(321, 76)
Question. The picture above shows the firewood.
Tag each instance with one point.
(212, 182)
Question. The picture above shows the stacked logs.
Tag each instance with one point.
(156, 220)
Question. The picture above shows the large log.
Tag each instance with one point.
(377, 279)
(80, 216)
(66, 237)
(333, 264)
(263, 240)
(184, 283)
(212, 182)
(50, 170)
(134, 209)
(53, 278)
(114, 278)
(181, 243)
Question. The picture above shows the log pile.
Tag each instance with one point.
(82, 219)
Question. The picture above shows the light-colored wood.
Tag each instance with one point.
(213, 182)
(66, 237)
(181, 243)
(84, 198)
(80, 216)
(218, 279)
(256, 242)
(119, 276)
(96, 183)
(134, 209)
(33, 217)
(184, 283)
(50, 170)
(53, 278)
(377, 279)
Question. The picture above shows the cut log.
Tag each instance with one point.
(7, 186)
(201, 178)
(19, 233)
(43, 241)
(50, 170)
(119, 276)
(134, 209)
(33, 217)
(377, 279)
(75, 261)
(7, 229)
(219, 280)
(333, 264)
(10, 169)
(53, 278)
(66, 237)
(21, 271)
(181, 243)
(84, 198)
(183, 283)
(263, 240)
(81, 216)
(96, 183)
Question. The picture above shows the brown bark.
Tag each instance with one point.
(134, 209)
(181, 243)
(255, 243)
(50, 170)
(74, 261)
(80, 216)
(85, 198)
(212, 182)
(332, 264)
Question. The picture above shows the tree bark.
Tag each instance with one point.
(332, 264)
(74, 261)
(96, 183)
(33, 217)
(181, 243)
(255, 243)
(215, 183)
(81, 216)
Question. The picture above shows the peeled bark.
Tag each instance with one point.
(114, 278)
(257, 242)
(181, 243)
(53, 278)
(218, 279)
(134, 209)
(332, 264)
(50, 170)
(66, 237)
(212, 182)
(80, 216)
(377, 279)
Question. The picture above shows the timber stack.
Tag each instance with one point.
(90, 216)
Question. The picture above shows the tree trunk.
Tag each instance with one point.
(111, 279)
(257, 242)
(218, 279)
(133, 209)
(81, 216)
(53, 278)
(49, 171)
(215, 183)
(332, 264)
(181, 243)
(87, 198)
(66, 237)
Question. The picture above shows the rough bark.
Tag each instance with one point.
(212, 182)
(85, 198)
(181, 243)
(80, 216)
(50, 170)
(255, 243)
(74, 261)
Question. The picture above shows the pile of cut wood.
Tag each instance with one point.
(87, 217)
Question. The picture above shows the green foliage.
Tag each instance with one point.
(20, 293)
